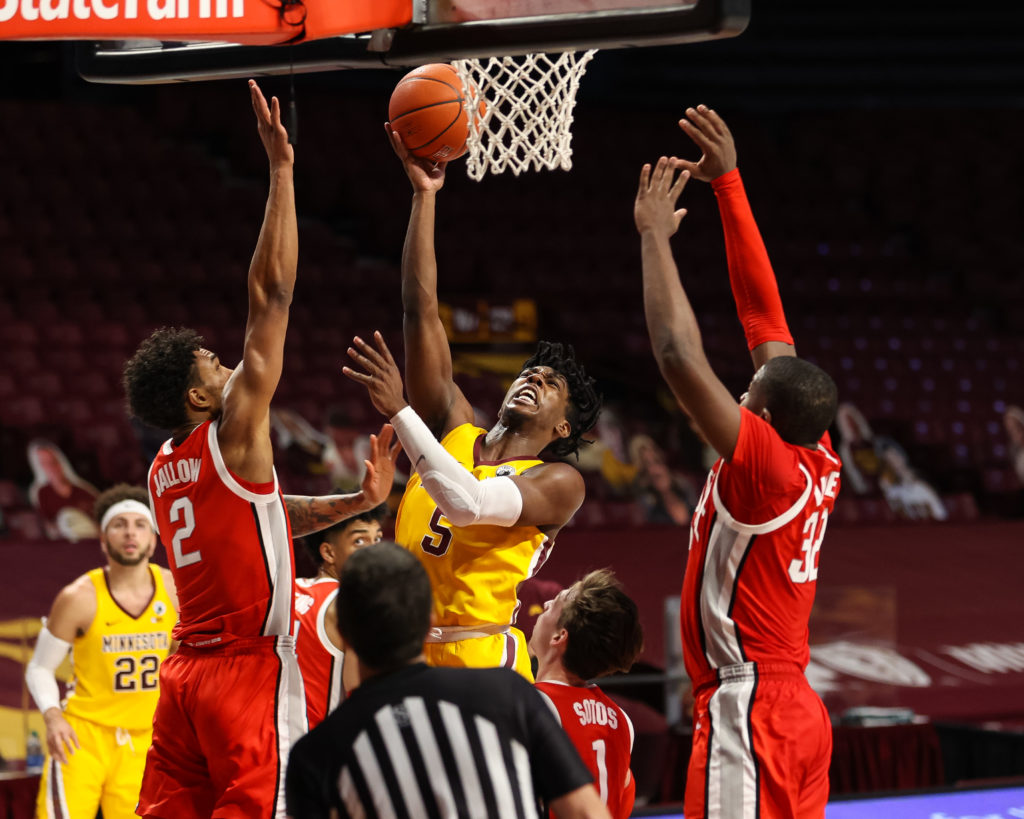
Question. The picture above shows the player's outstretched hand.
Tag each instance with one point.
(379, 374)
(712, 136)
(655, 206)
(426, 176)
(272, 133)
(61, 739)
(380, 467)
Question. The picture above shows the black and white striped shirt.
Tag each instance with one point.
(435, 742)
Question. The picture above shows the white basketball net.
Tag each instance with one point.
(527, 111)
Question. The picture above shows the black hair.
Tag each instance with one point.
(384, 601)
(157, 378)
(584, 399)
(116, 494)
(312, 542)
(603, 627)
(801, 397)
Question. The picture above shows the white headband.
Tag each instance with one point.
(121, 507)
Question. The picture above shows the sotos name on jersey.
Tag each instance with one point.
(592, 712)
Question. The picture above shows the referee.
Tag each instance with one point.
(414, 741)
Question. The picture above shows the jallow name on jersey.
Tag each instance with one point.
(185, 470)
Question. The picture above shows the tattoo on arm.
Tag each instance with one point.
(314, 514)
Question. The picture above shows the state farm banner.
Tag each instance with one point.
(252, 22)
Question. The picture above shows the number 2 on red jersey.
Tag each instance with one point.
(182, 510)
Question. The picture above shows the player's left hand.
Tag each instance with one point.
(380, 375)
(655, 206)
(380, 467)
(273, 134)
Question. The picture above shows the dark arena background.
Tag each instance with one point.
(880, 145)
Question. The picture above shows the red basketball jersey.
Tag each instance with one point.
(228, 544)
(320, 661)
(754, 541)
(603, 735)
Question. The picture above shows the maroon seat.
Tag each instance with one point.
(11, 497)
(23, 411)
(961, 507)
(8, 386)
(25, 523)
(74, 412)
(19, 333)
(43, 384)
(589, 516)
(91, 385)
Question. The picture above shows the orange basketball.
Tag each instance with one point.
(427, 111)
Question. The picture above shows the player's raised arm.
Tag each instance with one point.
(271, 282)
(309, 514)
(750, 271)
(428, 358)
(671, 324)
(545, 496)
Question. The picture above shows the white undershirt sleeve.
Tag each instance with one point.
(40, 675)
(462, 498)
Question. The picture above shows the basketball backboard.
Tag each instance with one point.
(439, 31)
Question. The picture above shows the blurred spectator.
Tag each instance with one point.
(1013, 420)
(345, 450)
(906, 493)
(336, 454)
(607, 454)
(63, 500)
(304, 447)
(707, 456)
(874, 463)
(861, 464)
(666, 496)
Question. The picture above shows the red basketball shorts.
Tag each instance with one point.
(223, 727)
(762, 742)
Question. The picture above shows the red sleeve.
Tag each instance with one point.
(761, 475)
(750, 272)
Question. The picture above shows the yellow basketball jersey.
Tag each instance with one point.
(474, 570)
(116, 663)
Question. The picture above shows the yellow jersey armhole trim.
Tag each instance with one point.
(460, 428)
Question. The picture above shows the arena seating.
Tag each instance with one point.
(116, 220)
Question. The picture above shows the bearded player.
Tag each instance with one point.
(762, 737)
(116, 621)
(587, 631)
(484, 507)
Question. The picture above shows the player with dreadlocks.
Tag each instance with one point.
(483, 508)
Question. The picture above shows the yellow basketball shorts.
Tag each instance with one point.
(506, 650)
(104, 772)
